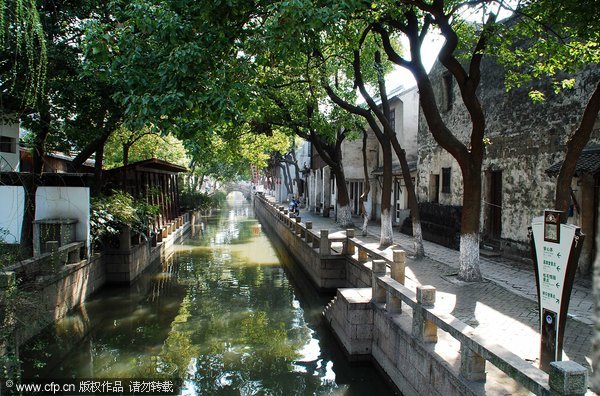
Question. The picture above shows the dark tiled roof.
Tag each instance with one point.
(151, 164)
(396, 170)
(588, 162)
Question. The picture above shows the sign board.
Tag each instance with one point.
(555, 249)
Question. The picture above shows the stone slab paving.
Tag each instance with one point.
(503, 307)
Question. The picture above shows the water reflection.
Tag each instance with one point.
(222, 315)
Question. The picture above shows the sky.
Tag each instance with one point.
(433, 43)
(401, 76)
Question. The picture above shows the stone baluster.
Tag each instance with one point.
(472, 365)
(378, 294)
(422, 328)
(297, 226)
(398, 265)
(363, 256)
(394, 303)
(349, 247)
(568, 378)
(307, 233)
(324, 245)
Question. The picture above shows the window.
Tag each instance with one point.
(446, 180)
(448, 91)
(8, 144)
(392, 119)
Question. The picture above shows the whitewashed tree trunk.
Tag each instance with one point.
(365, 224)
(344, 216)
(469, 258)
(418, 240)
(387, 234)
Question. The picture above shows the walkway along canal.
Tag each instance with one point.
(421, 345)
(226, 313)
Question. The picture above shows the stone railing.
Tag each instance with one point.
(56, 258)
(389, 294)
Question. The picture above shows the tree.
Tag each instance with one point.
(125, 146)
(51, 103)
(22, 40)
(567, 42)
(413, 19)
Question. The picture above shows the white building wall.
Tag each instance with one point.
(12, 205)
(9, 161)
(66, 203)
(407, 130)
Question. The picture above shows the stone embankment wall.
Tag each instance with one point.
(374, 316)
(47, 287)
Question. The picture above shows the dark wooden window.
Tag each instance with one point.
(448, 91)
(392, 119)
(446, 180)
(8, 144)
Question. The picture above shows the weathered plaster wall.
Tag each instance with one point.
(12, 199)
(66, 202)
(524, 139)
(405, 105)
(9, 161)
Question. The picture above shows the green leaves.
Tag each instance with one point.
(546, 40)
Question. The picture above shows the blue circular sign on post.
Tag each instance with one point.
(549, 319)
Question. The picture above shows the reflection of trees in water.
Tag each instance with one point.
(230, 226)
(208, 318)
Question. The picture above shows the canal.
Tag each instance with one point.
(227, 313)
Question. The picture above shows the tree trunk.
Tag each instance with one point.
(413, 203)
(344, 213)
(285, 178)
(390, 134)
(573, 147)
(31, 184)
(366, 188)
(469, 234)
(469, 157)
(387, 235)
(98, 169)
(89, 150)
(126, 148)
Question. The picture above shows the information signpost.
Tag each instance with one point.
(555, 249)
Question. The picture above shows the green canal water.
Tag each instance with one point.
(228, 313)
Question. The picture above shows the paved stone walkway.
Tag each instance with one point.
(503, 307)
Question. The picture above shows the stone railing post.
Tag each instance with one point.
(423, 329)
(398, 265)
(324, 245)
(472, 365)
(52, 246)
(394, 304)
(73, 256)
(568, 378)
(363, 256)
(378, 294)
(307, 234)
(349, 248)
(7, 280)
(298, 230)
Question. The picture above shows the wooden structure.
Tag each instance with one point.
(152, 180)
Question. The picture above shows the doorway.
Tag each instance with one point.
(495, 204)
